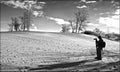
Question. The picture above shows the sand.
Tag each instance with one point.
(34, 51)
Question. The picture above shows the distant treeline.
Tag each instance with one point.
(110, 36)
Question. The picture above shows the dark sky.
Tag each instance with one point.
(99, 15)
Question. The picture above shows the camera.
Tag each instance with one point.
(95, 39)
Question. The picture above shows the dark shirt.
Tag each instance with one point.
(99, 43)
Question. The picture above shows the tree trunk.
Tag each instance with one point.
(28, 20)
(76, 27)
(80, 27)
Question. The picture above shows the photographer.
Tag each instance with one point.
(100, 44)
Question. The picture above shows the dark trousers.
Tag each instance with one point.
(99, 49)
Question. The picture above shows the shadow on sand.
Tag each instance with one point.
(61, 65)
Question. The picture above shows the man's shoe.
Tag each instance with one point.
(96, 58)
(99, 59)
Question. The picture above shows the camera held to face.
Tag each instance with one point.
(95, 39)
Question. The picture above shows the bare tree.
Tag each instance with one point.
(30, 6)
(10, 27)
(33, 5)
(16, 24)
(65, 28)
(81, 19)
(72, 25)
(22, 23)
(28, 19)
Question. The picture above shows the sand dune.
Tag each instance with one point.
(55, 52)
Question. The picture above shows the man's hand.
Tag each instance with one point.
(95, 38)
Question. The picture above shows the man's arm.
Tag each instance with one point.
(96, 41)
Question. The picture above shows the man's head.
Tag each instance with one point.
(99, 37)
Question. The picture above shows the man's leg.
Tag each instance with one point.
(99, 54)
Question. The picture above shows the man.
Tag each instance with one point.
(99, 45)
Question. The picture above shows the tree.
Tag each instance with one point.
(25, 21)
(30, 6)
(22, 23)
(14, 25)
(72, 25)
(65, 28)
(81, 19)
(28, 18)
(10, 27)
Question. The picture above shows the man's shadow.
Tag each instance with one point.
(61, 65)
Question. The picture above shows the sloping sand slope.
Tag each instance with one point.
(55, 52)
